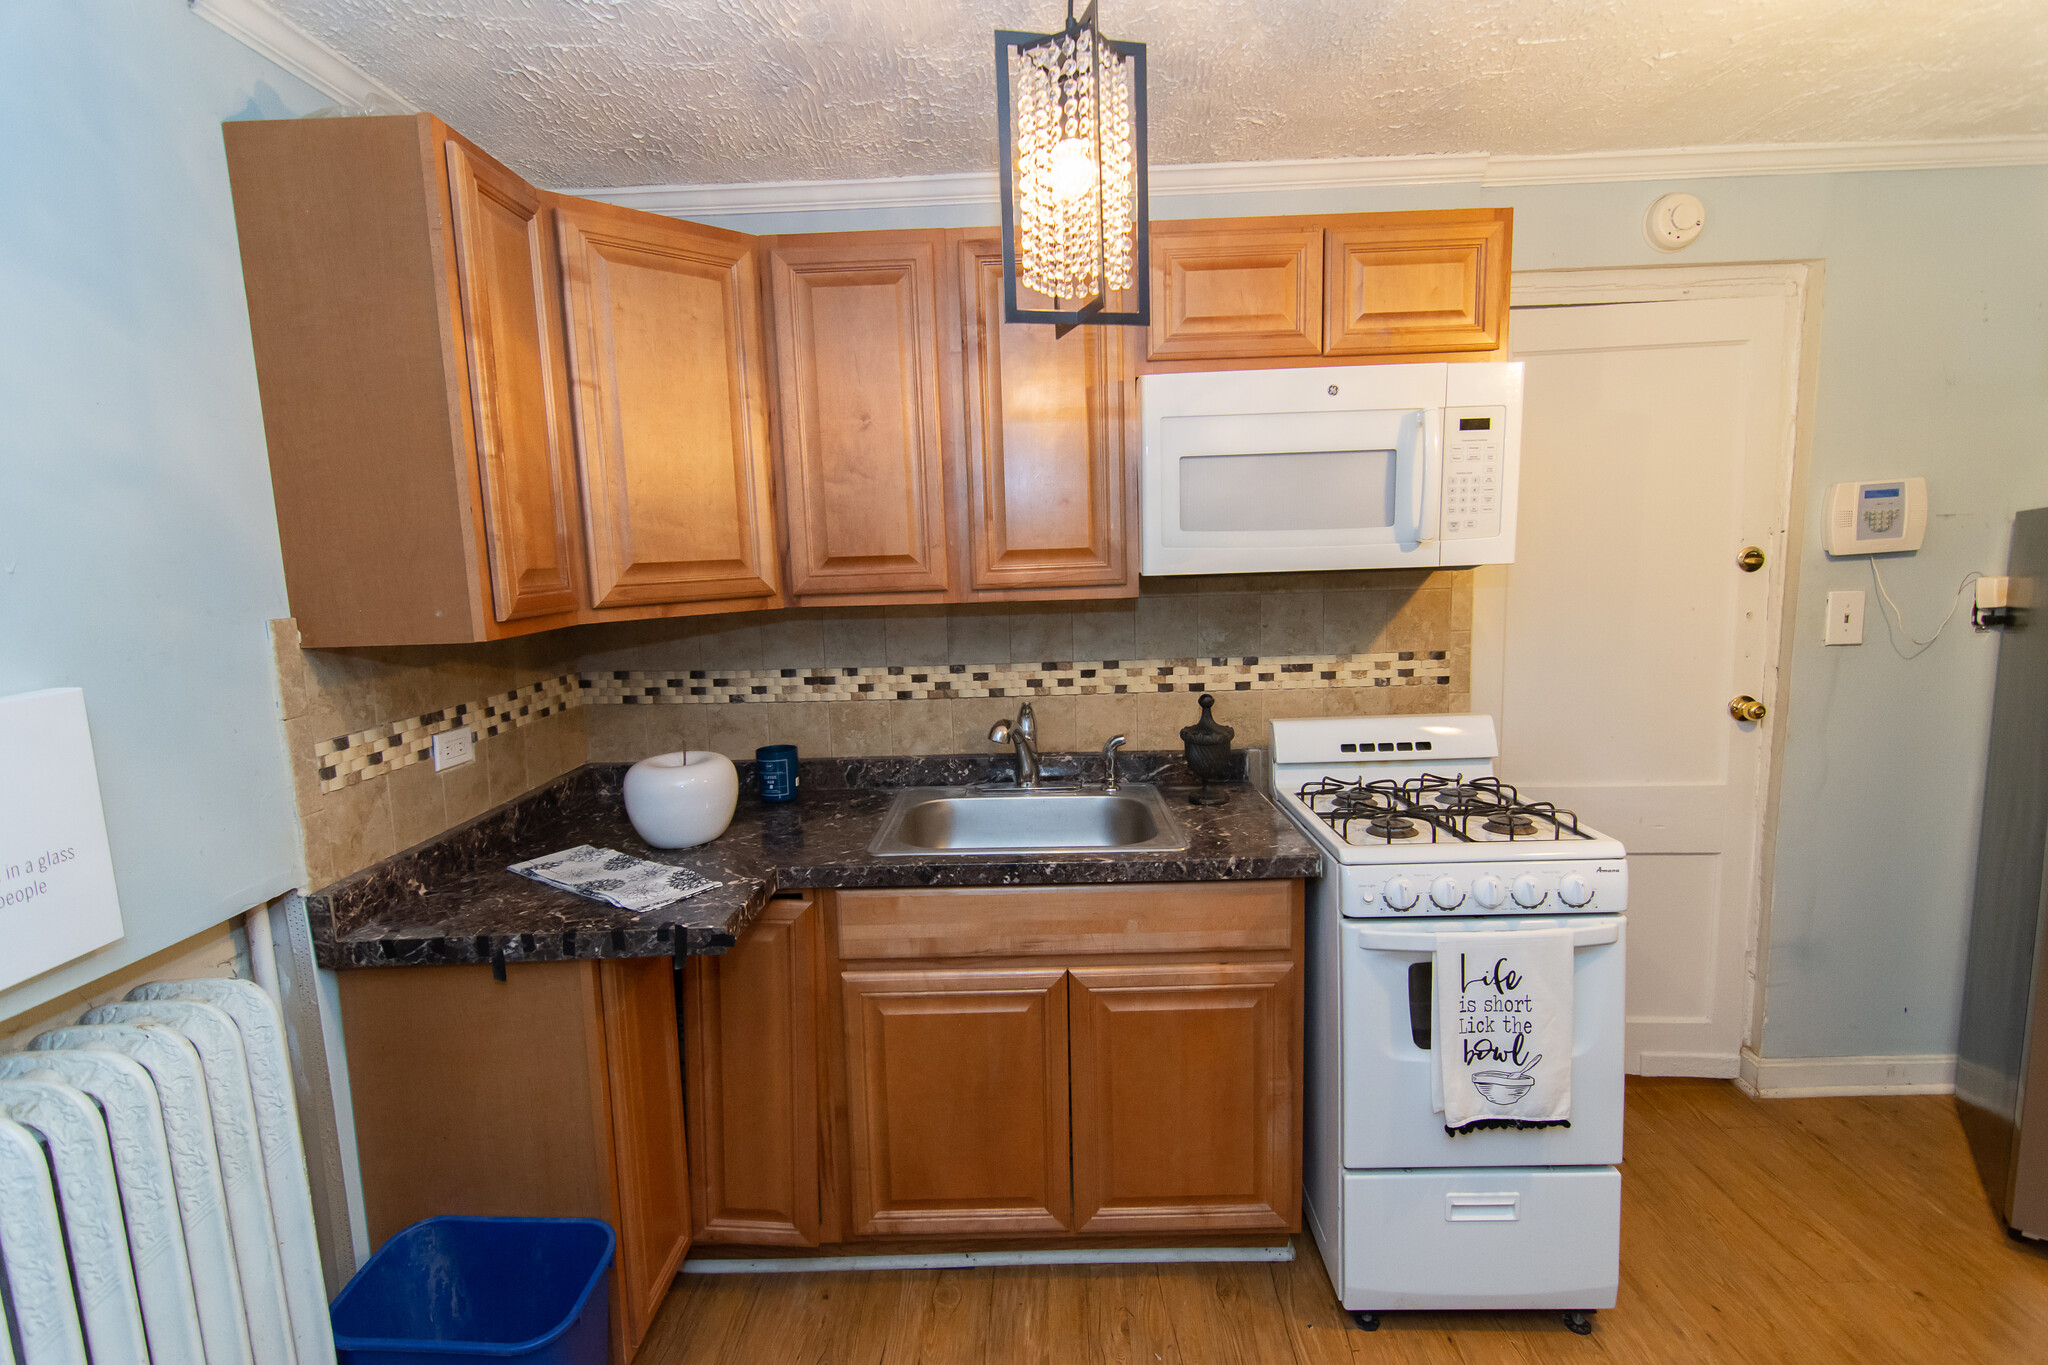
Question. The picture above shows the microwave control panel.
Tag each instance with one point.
(1475, 474)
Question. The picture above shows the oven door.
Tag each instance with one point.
(1388, 1122)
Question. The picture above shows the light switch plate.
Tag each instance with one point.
(1845, 619)
(453, 748)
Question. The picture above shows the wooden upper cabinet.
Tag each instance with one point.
(862, 442)
(1221, 290)
(1046, 443)
(1405, 283)
(669, 395)
(957, 1092)
(751, 1037)
(501, 264)
(1185, 1098)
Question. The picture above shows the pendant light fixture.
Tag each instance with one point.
(1071, 128)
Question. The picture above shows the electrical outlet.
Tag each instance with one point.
(453, 748)
(1845, 619)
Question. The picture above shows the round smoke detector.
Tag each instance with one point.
(1675, 222)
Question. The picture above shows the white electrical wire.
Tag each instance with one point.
(1899, 617)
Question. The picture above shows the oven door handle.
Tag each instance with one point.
(1396, 941)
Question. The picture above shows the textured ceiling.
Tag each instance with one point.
(628, 92)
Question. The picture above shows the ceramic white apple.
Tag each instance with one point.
(681, 800)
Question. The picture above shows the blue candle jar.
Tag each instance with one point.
(776, 764)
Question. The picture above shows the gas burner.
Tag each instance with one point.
(1449, 809)
(1392, 827)
(1512, 823)
(1458, 795)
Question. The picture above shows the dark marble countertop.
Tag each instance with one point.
(451, 900)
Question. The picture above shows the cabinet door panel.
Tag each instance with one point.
(1439, 285)
(670, 403)
(750, 1030)
(957, 1086)
(1184, 1109)
(502, 269)
(1045, 442)
(646, 1083)
(862, 448)
(1230, 292)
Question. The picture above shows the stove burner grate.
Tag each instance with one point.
(1445, 806)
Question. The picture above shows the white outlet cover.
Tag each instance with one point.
(1845, 619)
(453, 748)
(1675, 222)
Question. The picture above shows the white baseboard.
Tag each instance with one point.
(1788, 1077)
(1712, 1065)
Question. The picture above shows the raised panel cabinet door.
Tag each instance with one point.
(862, 447)
(1045, 442)
(1401, 287)
(1185, 1113)
(669, 396)
(502, 269)
(751, 1040)
(1226, 293)
(957, 1092)
(645, 1077)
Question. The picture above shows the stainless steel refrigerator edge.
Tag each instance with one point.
(2002, 1048)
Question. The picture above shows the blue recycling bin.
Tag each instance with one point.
(528, 1289)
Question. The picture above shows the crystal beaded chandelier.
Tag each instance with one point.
(1071, 122)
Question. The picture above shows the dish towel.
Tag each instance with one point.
(1504, 1029)
(607, 875)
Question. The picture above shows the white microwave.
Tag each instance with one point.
(1337, 467)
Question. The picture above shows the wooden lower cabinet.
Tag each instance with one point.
(1184, 1097)
(750, 1041)
(957, 1087)
(556, 1093)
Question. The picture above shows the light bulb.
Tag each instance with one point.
(1073, 169)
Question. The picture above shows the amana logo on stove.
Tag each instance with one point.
(1598, 868)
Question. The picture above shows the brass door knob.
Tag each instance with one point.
(1746, 707)
(1751, 559)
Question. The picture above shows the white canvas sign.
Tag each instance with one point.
(57, 898)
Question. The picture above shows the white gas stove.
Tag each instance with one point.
(1415, 826)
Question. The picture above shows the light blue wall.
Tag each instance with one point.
(1933, 361)
(138, 549)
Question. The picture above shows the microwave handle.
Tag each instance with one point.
(1423, 483)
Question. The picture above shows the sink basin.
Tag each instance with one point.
(924, 821)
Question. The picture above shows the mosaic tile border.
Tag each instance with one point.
(367, 754)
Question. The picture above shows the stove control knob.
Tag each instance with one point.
(1399, 894)
(1489, 891)
(1529, 893)
(1446, 894)
(1575, 890)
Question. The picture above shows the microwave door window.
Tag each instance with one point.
(1280, 492)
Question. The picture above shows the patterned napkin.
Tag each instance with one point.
(607, 875)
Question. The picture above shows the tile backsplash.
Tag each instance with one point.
(849, 682)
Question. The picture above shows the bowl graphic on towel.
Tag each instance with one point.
(1505, 1087)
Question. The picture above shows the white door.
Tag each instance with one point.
(1657, 446)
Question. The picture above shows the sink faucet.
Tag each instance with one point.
(1022, 734)
(1109, 748)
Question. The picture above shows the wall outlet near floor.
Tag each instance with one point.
(1845, 619)
(453, 748)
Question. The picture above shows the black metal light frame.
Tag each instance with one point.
(1094, 312)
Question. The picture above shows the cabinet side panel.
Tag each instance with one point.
(645, 1071)
(338, 226)
(446, 1124)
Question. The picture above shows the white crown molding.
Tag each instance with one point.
(259, 27)
(978, 188)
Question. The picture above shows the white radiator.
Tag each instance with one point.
(154, 1206)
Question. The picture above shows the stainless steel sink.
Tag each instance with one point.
(924, 821)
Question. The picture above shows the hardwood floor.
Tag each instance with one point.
(1777, 1230)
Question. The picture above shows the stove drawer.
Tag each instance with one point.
(1487, 1237)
